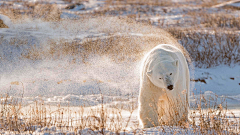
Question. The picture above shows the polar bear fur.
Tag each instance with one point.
(164, 87)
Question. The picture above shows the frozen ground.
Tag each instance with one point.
(69, 82)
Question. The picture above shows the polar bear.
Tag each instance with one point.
(164, 87)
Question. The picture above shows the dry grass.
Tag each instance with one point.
(40, 116)
(175, 110)
(209, 48)
(213, 118)
(141, 2)
(46, 12)
(205, 118)
(166, 3)
(221, 20)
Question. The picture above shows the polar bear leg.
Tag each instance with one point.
(166, 113)
(174, 113)
(149, 116)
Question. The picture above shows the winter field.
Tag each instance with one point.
(73, 66)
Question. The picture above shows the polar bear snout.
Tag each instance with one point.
(170, 87)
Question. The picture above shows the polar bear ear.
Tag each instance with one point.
(175, 63)
(149, 73)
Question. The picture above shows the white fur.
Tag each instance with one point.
(164, 66)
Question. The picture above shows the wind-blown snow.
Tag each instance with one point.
(101, 75)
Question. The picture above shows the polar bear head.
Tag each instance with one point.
(164, 74)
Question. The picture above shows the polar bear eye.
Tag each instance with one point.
(160, 78)
(170, 73)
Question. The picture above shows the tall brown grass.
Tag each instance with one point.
(40, 116)
(204, 118)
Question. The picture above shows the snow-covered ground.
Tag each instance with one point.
(49, 77)
(68, 83)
